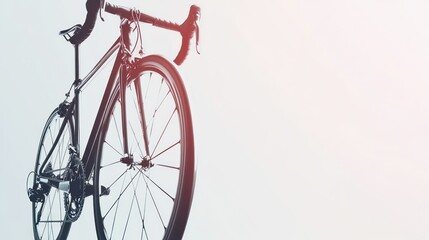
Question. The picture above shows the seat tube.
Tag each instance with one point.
(76, 99)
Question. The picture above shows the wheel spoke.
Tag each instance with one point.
(162, 134)
(115, 181)
(153, 200)
(157, 106)
(110, 164)
(132, 203)
(160, 188)
(167, 166)
(64, 151)
(122, 192)
(165, 150)
(160, 104)
(44, 149)
(113, 148)
(137, 141)
(117, 131)
(49, 215)
(144, 210)
(116, 209)
(50, 135)
(128, 218)
(147, 89)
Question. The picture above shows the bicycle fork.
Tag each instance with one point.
(126, 68)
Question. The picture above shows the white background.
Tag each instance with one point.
(311, 117)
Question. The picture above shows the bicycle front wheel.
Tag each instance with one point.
(49, 214)
(148, 193)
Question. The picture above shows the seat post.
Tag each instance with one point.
(76, 63)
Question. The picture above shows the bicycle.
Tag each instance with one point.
(138, 164)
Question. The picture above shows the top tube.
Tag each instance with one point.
(100, 63)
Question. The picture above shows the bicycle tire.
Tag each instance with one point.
(151, 168)
(52, 224)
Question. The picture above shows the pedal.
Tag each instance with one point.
(89, 190)
(104, 191)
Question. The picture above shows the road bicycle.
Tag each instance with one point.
(138, 164)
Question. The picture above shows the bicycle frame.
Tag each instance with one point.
(72, 113)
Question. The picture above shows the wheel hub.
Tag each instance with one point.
(146, 163)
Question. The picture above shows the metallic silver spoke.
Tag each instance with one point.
(122, 192)
(153, 200)
(132, 203)
(167, 166)
(165, 150)
(110, 164)
(113, 148)
(116, 210)
(137, 141)
(117, 130)
(115, 181)
(160, 188)
(163, 131)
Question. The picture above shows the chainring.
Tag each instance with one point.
(74, 199)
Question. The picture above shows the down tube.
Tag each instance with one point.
(88, 158)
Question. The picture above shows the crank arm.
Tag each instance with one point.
(56, 183)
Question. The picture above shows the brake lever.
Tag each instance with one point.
(102, 5)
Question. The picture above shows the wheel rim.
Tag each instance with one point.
(49, 216)
(144, 195)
